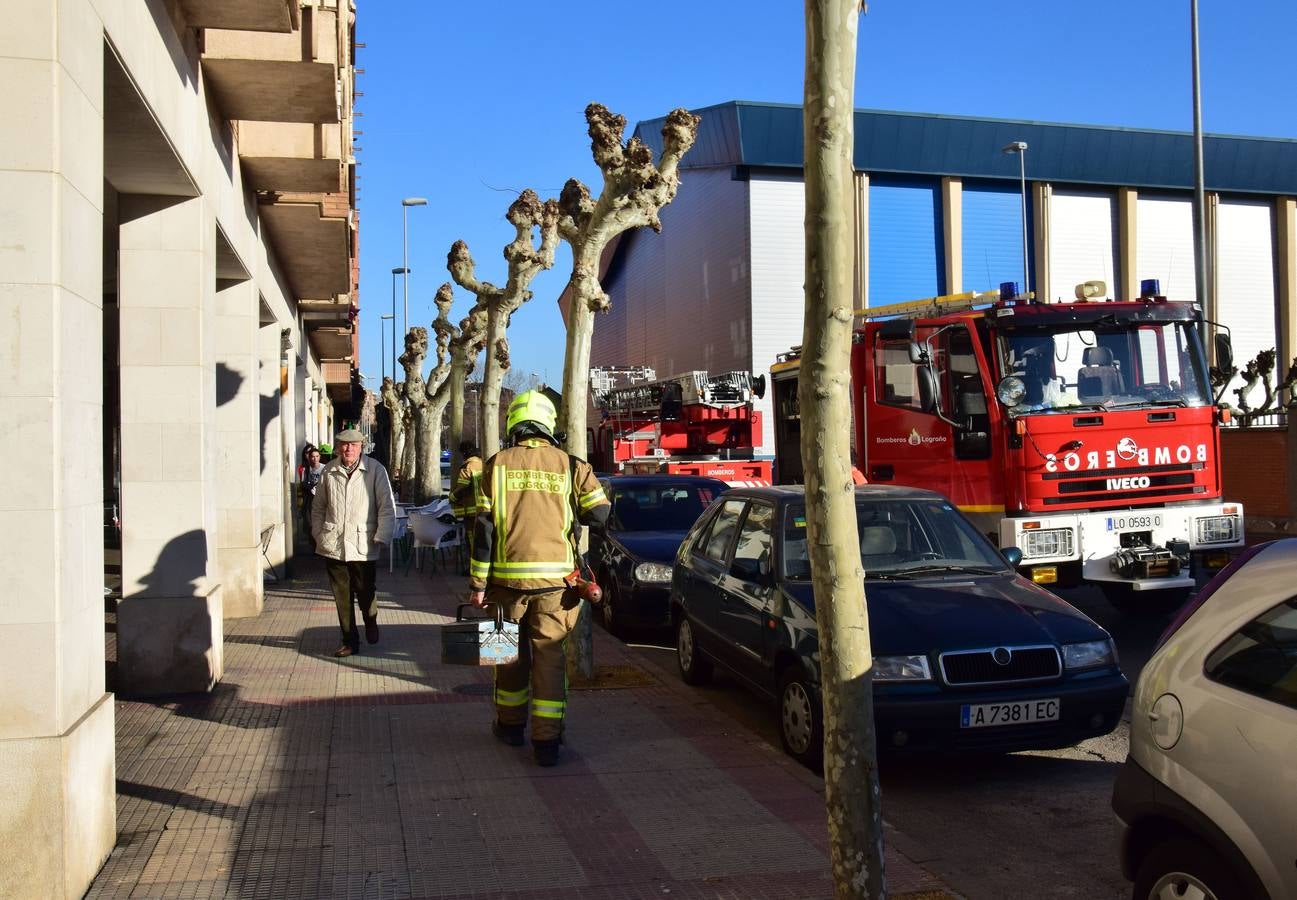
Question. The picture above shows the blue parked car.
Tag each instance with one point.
(968, 655)
(632, 555)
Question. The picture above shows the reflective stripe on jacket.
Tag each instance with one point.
(468, 481)
(523, 532)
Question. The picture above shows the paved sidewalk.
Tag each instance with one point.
(376, 776)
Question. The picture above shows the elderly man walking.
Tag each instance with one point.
(352, 516)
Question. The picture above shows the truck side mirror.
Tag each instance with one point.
(917, 354)
(1224, 352)
(927, 389)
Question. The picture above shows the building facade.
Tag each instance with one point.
(938, 209)
(178, 291)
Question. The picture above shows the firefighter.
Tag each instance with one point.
(467, 488)
(525, 559)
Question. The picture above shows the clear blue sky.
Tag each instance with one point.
(468, 103)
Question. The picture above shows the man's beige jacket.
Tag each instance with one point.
(353, 514)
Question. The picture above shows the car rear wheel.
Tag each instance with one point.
(1185, 869)
(801, 726)
(694, 667)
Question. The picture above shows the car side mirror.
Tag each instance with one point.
(1012, 555)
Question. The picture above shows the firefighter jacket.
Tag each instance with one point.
(463, 497)
(525, 534)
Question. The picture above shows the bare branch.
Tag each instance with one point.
(464, 271)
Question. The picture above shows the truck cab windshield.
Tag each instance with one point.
(1066, 367)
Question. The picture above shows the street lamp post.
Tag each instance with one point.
(1020, 148)
(399, 270)
(405, 249)
(381, 334)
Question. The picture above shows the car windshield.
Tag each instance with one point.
(900, 539)
(659, 507)
(1138, 364)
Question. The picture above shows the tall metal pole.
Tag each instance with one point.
(1022, 183)
(394, 324)
(1199, 195)
(1020, 148)
(405, 251)
(405, 265)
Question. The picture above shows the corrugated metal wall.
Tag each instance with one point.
(681, 298)
(905, 243)
(1245, 282)
(1164, 244)
(778, 240)
(992, 236)
(1082, 242)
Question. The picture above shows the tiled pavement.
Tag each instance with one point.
(376, 776)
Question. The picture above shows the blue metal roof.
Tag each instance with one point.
(767, 135)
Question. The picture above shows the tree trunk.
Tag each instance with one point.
(409, 456)
(458, 373)
(396, 412)
(429, 465)
(576, 361)
(851, 791)
(492, 379)
(415, 482)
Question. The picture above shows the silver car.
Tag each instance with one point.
(1208, 795)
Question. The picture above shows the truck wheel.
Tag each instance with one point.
(694, 667)
(1144, 603)
(801, 719)
(1185, 868)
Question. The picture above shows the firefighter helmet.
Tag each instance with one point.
(532, 406)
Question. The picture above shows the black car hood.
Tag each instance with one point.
(650, 546)
(964, 612)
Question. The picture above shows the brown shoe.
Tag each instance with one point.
(371, 632)
(344, 650)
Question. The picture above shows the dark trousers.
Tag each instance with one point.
(352, 583)
(539, 677)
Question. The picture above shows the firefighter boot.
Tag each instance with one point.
(508, 734)
(546, 752)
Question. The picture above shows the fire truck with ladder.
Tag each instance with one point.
(1084, 433)
(689, 424)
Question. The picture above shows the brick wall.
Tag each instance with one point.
(1254, 466)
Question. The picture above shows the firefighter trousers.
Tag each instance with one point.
(540, 674)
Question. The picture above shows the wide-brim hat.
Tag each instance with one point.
(350, 436)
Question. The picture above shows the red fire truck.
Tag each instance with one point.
(689, 424)
(1083, 433)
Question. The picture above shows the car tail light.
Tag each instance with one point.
(1196, 603)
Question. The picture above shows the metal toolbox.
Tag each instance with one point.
(479, 642)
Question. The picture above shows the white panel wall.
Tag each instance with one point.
(1164, 244)
(778, 278)
(680, 298)
(1082, 242)
(1245, 280)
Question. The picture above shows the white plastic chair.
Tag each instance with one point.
(431, 533)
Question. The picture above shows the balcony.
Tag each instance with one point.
(263, 76)
(292, 156)
(242, 15)
(312, 237)
(337, 379)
